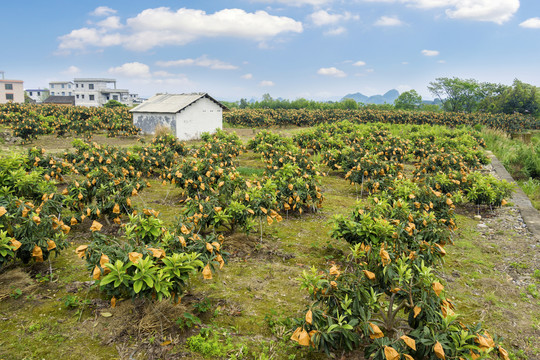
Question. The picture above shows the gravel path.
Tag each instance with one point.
(530, 215)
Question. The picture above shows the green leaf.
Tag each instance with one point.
(137, 286)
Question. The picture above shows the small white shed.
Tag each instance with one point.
(188, 115)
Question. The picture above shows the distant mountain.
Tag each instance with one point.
(388, 97)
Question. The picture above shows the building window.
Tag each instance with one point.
(82, 96)
(30, 93)
(77, 86)
(63, 93)
(52, 86)
(69, 86)
(52, 92)
(9, 96)
(70, 93)
(82, 85)
(115, 97)
(9, 86)
(63, 86)
(38, 93)
(77, 96)
(91, 97)
(91, 86)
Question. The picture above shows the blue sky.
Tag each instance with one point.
(316, 49)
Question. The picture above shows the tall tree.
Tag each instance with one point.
(408, 100)
(457, 95)
(521, 98)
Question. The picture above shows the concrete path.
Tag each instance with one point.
(530, 215)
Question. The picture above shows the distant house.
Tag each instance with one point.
(37, 95)
(61, 88)
(60, 100)
(11, 91)
(188, 115)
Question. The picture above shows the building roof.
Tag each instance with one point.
(42, 90)
(172, 103)
(107, 90)
(94, 80)
(11, 81)
(60, 82)
(68, 100)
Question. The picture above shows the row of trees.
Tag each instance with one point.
(451, 94)
(268, 102)
(469, 95)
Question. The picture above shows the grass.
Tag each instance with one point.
(531, 188)
(479, 271)
(520, 159)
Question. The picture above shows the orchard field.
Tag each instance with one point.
(379, 240)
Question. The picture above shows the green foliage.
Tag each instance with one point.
(203, 306)
(113, 104)
(28, 121)
(388, 287)
(73, 301)
(187, 321)
(209, 347)
(487, 190)
(520, 97)
(306, 117)
(408, 100)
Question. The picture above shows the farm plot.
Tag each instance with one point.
(227, 234)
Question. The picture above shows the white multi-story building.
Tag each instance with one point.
(93, 91)
(61, 88)
(96, 92)
(38, 95)
(135, 99)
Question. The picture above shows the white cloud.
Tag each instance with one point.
(323, 17)
(163, 26)
(300, 2)
(133, 69)
(72, 70)
(202, 61)
(81, 38)
(532, 23)
(331, 71)
(430, 52)
(442, 61)
(163, 74)
(247, 76)
(359, 63)
(497, 11)
(103, 11)
(388, 21)
(112, 22)
(337, 31)
(266, 83)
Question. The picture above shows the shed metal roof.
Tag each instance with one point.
(172, 103)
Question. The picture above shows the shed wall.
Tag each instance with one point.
(203, 115)
(147, 122)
